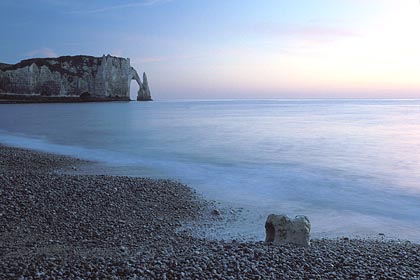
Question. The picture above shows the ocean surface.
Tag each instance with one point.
(351, 166)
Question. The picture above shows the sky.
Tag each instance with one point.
(232, 48)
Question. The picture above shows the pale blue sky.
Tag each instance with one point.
(232, 48)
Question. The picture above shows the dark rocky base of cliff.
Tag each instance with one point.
(58, 226)
(144, 99)
(20, 98)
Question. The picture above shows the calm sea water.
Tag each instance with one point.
(351, 166)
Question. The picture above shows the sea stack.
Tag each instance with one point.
(144, 91)
(70, 78)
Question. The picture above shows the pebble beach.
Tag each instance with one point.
(55, 224)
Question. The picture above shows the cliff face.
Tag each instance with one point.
(72, 76)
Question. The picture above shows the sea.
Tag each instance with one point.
(352, 166)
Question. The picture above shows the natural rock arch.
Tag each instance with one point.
(135, 76)
(144, 91)
(105, 77)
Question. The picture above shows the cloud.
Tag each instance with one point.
(311, 31)
(45, 52)
(157, 59)
(319, 31)
(143, 3)
(151, 59)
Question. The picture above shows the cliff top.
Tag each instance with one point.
(4, 65)
(53, 63)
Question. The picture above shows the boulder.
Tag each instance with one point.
(280, 229)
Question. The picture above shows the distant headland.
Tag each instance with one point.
(78, 78)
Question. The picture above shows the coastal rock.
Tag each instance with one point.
(216, 212)
(71, 76)
(144, 91)
(280, 229)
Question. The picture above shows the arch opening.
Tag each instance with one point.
(134, 88)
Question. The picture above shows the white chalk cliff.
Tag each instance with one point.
(73, 76)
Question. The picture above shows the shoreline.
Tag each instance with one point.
(32, 98)
(93, 226)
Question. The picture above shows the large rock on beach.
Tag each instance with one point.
(280, 229)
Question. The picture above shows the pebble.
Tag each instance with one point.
(66, 226)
